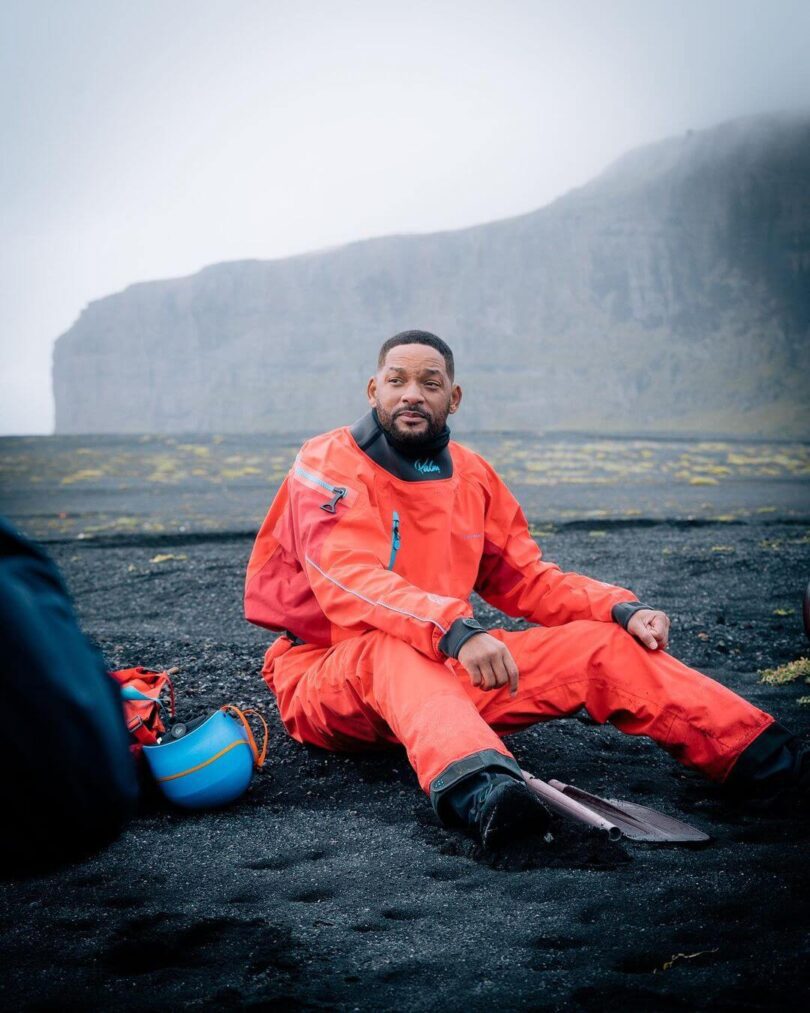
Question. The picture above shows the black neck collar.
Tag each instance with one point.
(427, 462)
(414, 452)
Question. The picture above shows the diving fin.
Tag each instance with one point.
(616, 817)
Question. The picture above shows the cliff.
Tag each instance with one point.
(672, 293)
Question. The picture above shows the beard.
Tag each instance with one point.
(436, 424)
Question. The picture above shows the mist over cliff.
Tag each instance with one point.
(672, 293)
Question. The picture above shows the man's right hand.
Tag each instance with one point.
(489, 663)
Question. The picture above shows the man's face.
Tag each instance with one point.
(413, 394)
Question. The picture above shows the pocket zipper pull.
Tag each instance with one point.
(395, 541)
(329, 507)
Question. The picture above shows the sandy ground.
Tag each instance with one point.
(331, 884)
(95, 486)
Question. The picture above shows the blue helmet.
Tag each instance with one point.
(208, 762)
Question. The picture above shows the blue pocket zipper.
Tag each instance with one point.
(395, 541)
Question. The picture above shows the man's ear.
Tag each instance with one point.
(371, 391)
(455, 398)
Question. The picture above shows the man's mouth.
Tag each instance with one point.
(410, 416)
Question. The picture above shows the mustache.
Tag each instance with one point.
(412, 411)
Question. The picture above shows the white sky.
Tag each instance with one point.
(146, 140)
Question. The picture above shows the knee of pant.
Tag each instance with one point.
(609, 638)
(387, 657)
(616, 634)
(602, 634)
(380, 644)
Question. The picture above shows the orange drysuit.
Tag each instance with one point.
(367, 561)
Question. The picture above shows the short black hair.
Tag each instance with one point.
(419, 338)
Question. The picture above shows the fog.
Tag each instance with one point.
(146, 141)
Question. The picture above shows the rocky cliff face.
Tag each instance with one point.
(671, 293)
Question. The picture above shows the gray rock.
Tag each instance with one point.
(670, 293)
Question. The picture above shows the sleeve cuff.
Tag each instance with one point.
(625, 610)
(459, 633)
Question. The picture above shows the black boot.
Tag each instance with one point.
(499, 807)
(510, 812)
(774, 768)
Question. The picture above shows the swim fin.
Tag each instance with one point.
(616, 817)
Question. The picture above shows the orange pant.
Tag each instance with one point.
(375, 689)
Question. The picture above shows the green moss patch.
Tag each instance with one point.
(793, 670)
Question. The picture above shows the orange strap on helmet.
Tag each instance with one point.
(258, 757)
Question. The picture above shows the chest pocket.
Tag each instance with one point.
(435, 543)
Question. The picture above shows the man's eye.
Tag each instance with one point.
(395, 379)
(435, 386)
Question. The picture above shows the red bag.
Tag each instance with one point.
(140, 691)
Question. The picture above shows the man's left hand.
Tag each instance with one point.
(651, 627)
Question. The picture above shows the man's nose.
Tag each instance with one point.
(412, 393)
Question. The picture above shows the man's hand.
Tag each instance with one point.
(489, 663)
(651, 627)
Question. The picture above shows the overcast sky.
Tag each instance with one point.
(146, 140)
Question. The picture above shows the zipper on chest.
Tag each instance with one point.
(395, 539)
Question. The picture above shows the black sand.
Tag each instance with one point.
(331, 885)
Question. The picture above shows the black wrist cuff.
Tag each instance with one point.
(459, 633)
(625, 610)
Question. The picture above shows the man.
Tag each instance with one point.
(367, 560)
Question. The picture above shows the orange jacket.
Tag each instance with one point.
(347, 546)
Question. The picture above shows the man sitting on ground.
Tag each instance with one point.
(367, 560)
